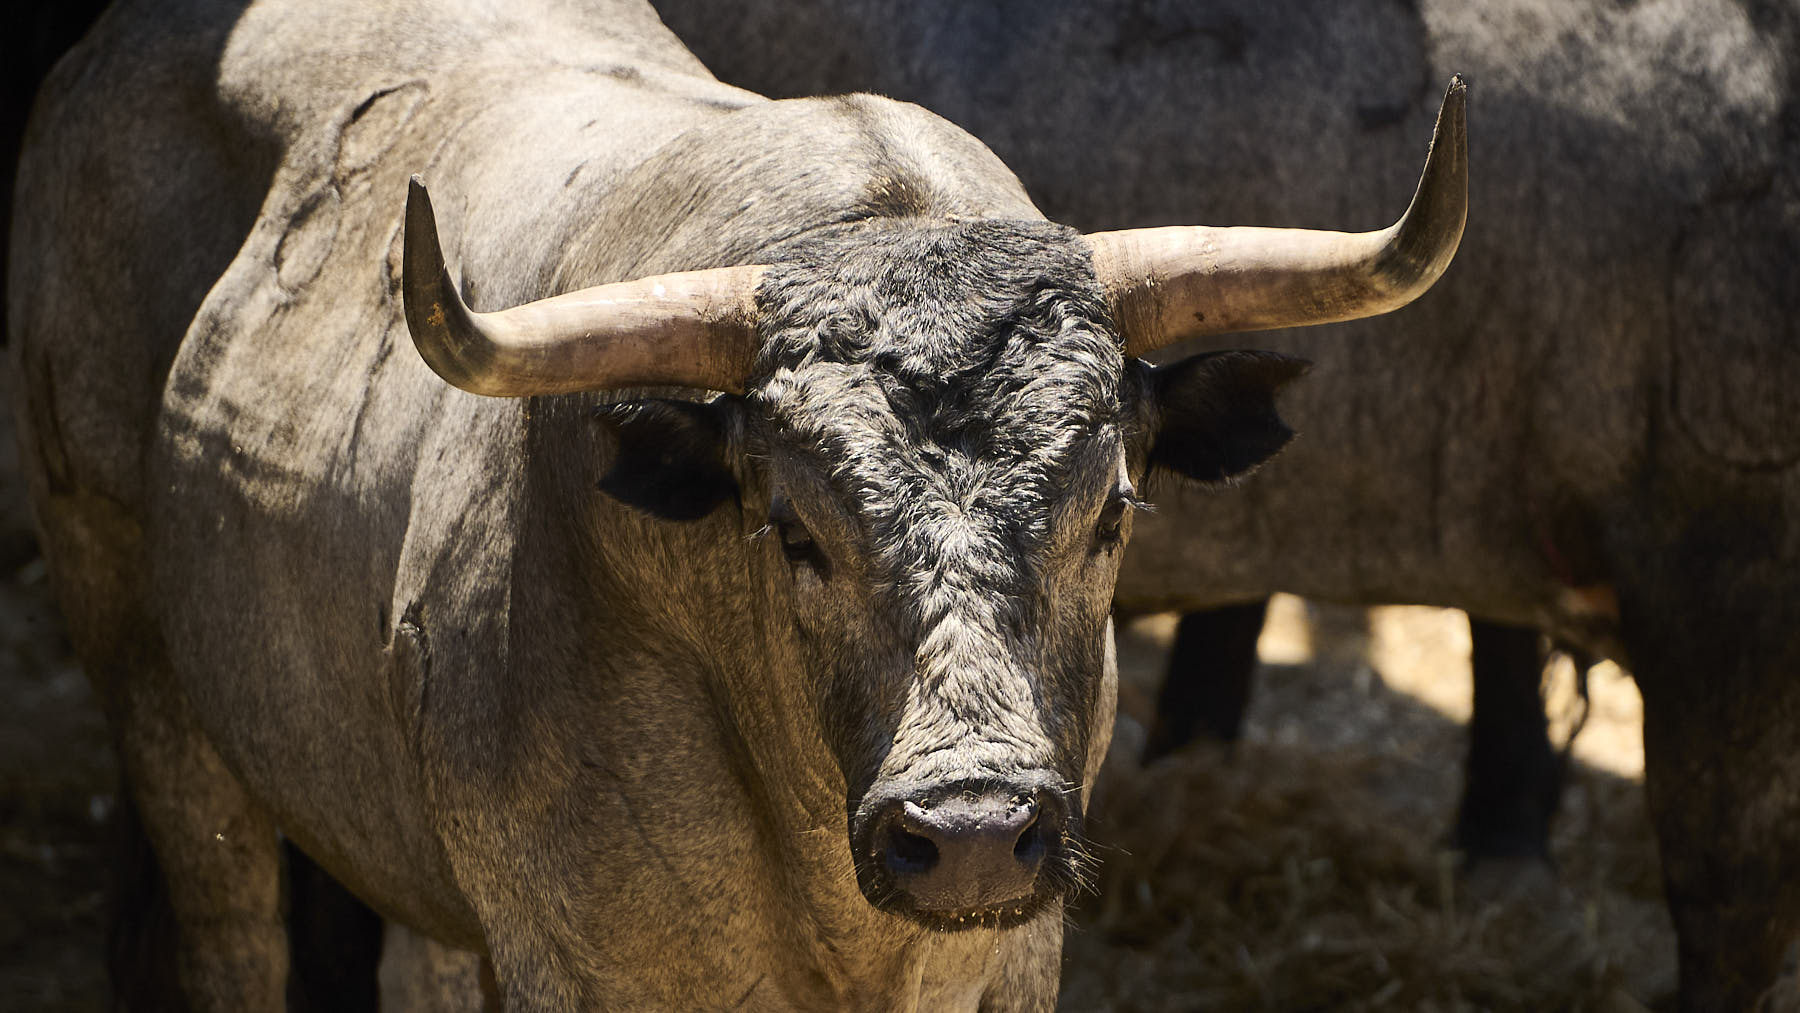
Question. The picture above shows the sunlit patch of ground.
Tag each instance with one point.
(1424, 653)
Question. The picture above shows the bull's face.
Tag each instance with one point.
(942, 447)
(951, 482)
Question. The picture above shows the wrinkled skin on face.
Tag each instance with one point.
(939, 456)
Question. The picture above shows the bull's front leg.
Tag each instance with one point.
(218, 851)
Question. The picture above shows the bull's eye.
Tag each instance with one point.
(1109, 529)
(796, 542)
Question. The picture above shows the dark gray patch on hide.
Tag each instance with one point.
(1734, 371)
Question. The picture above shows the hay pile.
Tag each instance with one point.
(1303, 871)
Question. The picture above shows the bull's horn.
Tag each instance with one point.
(694, 329)
(1168, 284)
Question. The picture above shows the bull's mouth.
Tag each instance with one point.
(967, 855)
(1005, 916)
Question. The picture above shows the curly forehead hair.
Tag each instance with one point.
(934, 367)
(949, 327)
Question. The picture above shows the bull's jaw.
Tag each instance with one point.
(964, 972)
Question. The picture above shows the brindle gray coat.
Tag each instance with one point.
(613, 740)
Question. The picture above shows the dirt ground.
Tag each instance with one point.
(1301, 871)
(57, 782)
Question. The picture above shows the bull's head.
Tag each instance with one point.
(940, 428)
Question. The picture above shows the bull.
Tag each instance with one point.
(1589, 430)
(708, 606)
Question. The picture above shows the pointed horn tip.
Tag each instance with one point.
(429, 301)
(421, 259)
(1453, 110)
(419, 213)
(1448, 156)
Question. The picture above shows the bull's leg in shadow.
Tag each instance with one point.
(1206, 689)
(218, 852)
(1718, 663)
(141, 961)
(335, 940)
(1512, 782)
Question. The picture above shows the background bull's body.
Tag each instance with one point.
(502, 707)
(1488, 429)
(1600, 398)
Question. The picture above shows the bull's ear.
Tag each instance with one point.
(1217, 414)
(670, 456)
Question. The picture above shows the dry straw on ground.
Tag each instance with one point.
(1303, 869)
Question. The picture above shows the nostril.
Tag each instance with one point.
(910, 853)
(1029, 848)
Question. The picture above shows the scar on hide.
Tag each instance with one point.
(373, 127)
(304, 246)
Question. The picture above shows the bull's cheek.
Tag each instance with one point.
(862, 710)
(1106, 705)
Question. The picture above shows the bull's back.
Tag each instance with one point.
(153, 145)
(133, 195)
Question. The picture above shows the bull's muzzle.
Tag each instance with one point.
(963, 854)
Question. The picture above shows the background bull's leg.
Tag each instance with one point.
(1513, 779)
(1206, 689)
(346, 958)
(334, 942)
(1722, 775)
(1710, 619)
(422, 976)
(140, 943)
